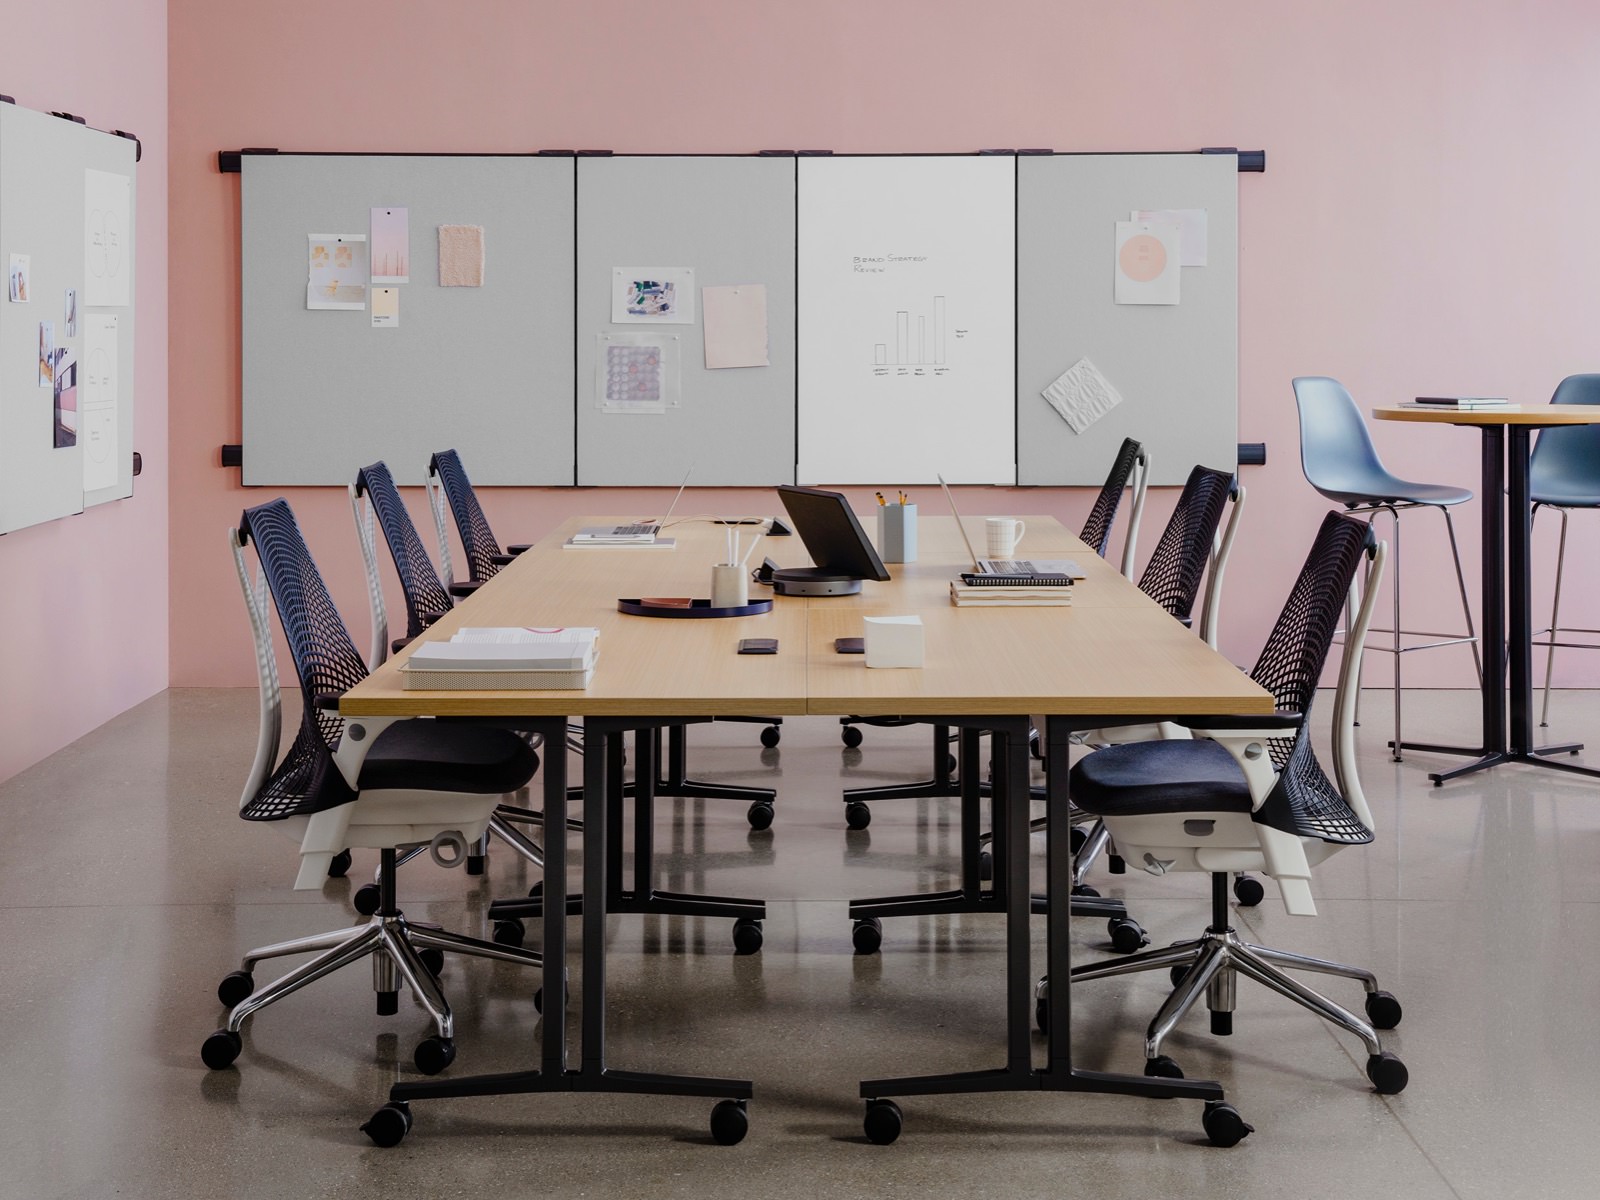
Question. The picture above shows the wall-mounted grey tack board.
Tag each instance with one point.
(485, 370)
(43, 160)
(733, 221)
(1176, 367)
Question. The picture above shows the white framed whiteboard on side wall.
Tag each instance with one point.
(906, 321)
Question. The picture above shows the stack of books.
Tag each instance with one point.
(1458, 402)
(1015, 591)
(515, 659)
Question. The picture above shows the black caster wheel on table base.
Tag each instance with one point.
(366, 899)
(771, 736)
(1223, 1124)
(857, 815)
(730, 1121)
(746, 935)
(434, 1054)
(388, 1125)
(1127, 935)
(867, 935)
(883, 1122)
(759, 815)
(850, 736)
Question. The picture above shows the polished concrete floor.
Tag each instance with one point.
(128, 887)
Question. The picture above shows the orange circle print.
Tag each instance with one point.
(1142, 258)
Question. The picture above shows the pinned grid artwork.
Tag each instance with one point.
(636, 373)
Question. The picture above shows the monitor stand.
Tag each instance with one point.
(813, 581)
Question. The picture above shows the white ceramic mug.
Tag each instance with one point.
(1004, 533)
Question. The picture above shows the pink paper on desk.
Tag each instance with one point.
(736, 325)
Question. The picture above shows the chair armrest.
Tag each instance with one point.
(466, 587)
(399, 644)
(328, 701)
(513, 551)
(1266, 724)
(501, 560)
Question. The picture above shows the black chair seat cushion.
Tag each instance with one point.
(1159, 777)
(439, 756)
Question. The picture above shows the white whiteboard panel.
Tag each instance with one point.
(906, 322)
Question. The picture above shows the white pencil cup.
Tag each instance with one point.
(897, 533)
(730, 586)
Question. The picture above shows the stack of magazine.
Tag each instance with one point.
(1011, 591)
(511, 658)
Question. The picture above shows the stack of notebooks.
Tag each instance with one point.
(514, 659)
(1011, 591)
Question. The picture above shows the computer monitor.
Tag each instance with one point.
(834, 539)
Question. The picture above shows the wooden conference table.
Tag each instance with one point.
(1112, 655)
(1507, 568)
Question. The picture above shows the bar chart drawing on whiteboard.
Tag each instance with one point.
(919, 339)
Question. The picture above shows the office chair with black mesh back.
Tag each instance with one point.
(1339, 460)
(1130, 468)
(419, 781)
(1247, 793)
(1563, 475)
(374, 498)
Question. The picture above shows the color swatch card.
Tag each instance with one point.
(1148, 262)
(735, 325)
(385, 307)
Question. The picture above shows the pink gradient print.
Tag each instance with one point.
(391, 245)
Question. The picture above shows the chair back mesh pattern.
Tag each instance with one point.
(1172, 576)
(325, 659)
(1097, 529)
(426, 599)
(1304, 800)
(477, 539)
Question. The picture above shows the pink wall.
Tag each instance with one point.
(1419, 229)
(84, 604)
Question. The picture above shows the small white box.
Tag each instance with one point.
(893, 641)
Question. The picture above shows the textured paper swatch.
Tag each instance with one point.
(735, 325)
(1082, 395)
(461, 256)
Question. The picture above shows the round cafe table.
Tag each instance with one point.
(1507, 629)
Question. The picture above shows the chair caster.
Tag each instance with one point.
(433, 958)
(536, 890)
(850, 736)
(883, 1122)
(1248, 891)
(759, 815)
(1076, 837)
(1388, 1074)
(366, 899)
(476, 863)
(867, 935)
(730, 1120)
(985, 865)
(857, 815)
(1223, 1124)
(1126, 935)
(746, 936)
(236, 985)
(1084, 890)
(1176, 974)
(220, 1049)
(771, 736)
(388, 1125)
(1162, 1067)
(340, 866)
(1383, 1010)
(434, 1054)
(566, 996)
(509, 932)
(950, 763)
(1116, 864)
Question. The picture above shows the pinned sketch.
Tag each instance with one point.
(47, 354)
(385, 307)
(736, 326)
(652, 296)
(636, 372)
(1147, 270)
(71, 313)
(461, 256)
(21, 288)
(1081, 395)
(1193, 235)
(337, 274)
(66, 399)
(97, 374)
(107, 230)
(391, 245)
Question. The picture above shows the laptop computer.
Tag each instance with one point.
(1014, 567)
(641, 534)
